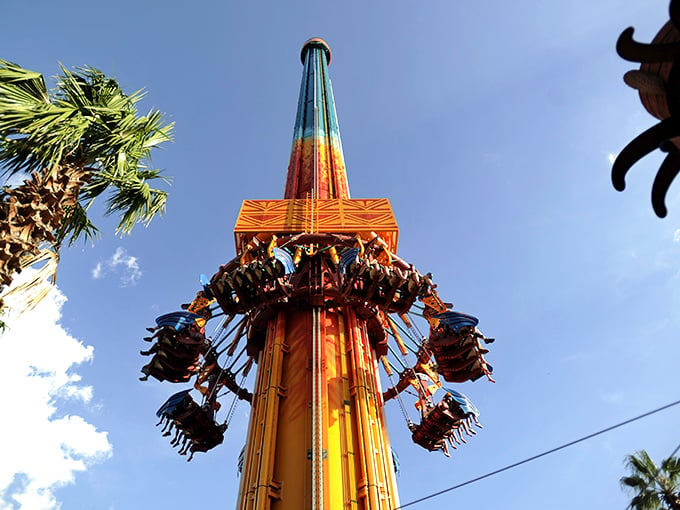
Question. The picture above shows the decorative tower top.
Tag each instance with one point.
(317, 165)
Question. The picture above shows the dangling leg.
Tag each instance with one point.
(154, 349)
(459, 435)
(185, 446)
(175, 440)
(146, 370)
(639, 147)
(668, 170)
(167, 428)
(468, 430)
(445, 449)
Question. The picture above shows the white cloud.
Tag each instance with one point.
(42, 447)
(97, 271)
(611, 157)
(613, 398)
(126, 266)
(676, 236)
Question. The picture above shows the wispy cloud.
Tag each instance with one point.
(125, 266)
(577, 357)
(615, 397)
(611, 157)
(676, 236)
(97, 271)
(43, 448)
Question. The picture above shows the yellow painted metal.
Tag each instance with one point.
(294, 441)
(376, 486)
(346, 417)
(334, 255)
(386, 366)
(258, 486)
(397, 336)
(339, 216)
(355, 462)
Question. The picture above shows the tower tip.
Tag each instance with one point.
(316, 42)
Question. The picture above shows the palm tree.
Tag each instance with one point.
(655, 488)
(74, 143)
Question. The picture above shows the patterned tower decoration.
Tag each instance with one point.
(322, 300)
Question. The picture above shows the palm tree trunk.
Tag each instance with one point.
(31, 214)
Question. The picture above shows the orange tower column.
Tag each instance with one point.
(317, 437)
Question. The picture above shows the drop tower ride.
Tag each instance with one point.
(317, 428)
(317, 291)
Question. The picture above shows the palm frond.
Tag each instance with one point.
(671, 467)
(136, 201)
(646, 501)
(88, 122)
(77, 225)
(29, 85)
(642, 464)
(28, 121)
(633, 482)
(26, 296)
(653, 486)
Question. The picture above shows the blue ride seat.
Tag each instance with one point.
(171, 404)
(395, 462)
(347, 258)
(457, 320)
(177, 320)
(465, 404)
(241, 460)
(205, 283)
(286, 260)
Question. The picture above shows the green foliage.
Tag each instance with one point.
(655, 487)
(86, 122)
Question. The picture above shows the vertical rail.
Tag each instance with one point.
(317, 421)
(350, 459)
(367, 485)
(315, 173)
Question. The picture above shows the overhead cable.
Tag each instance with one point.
(543, 454)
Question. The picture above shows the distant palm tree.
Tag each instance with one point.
(655, 488)
(74, 143)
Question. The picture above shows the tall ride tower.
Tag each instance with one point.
(319, 291)
(317, 435)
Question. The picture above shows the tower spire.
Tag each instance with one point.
(317, 165)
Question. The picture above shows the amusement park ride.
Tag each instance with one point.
(316, 298)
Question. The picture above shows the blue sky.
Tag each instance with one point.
(489, 125)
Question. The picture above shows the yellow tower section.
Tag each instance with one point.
(317, 436)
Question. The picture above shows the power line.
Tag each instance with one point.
(543, 454)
